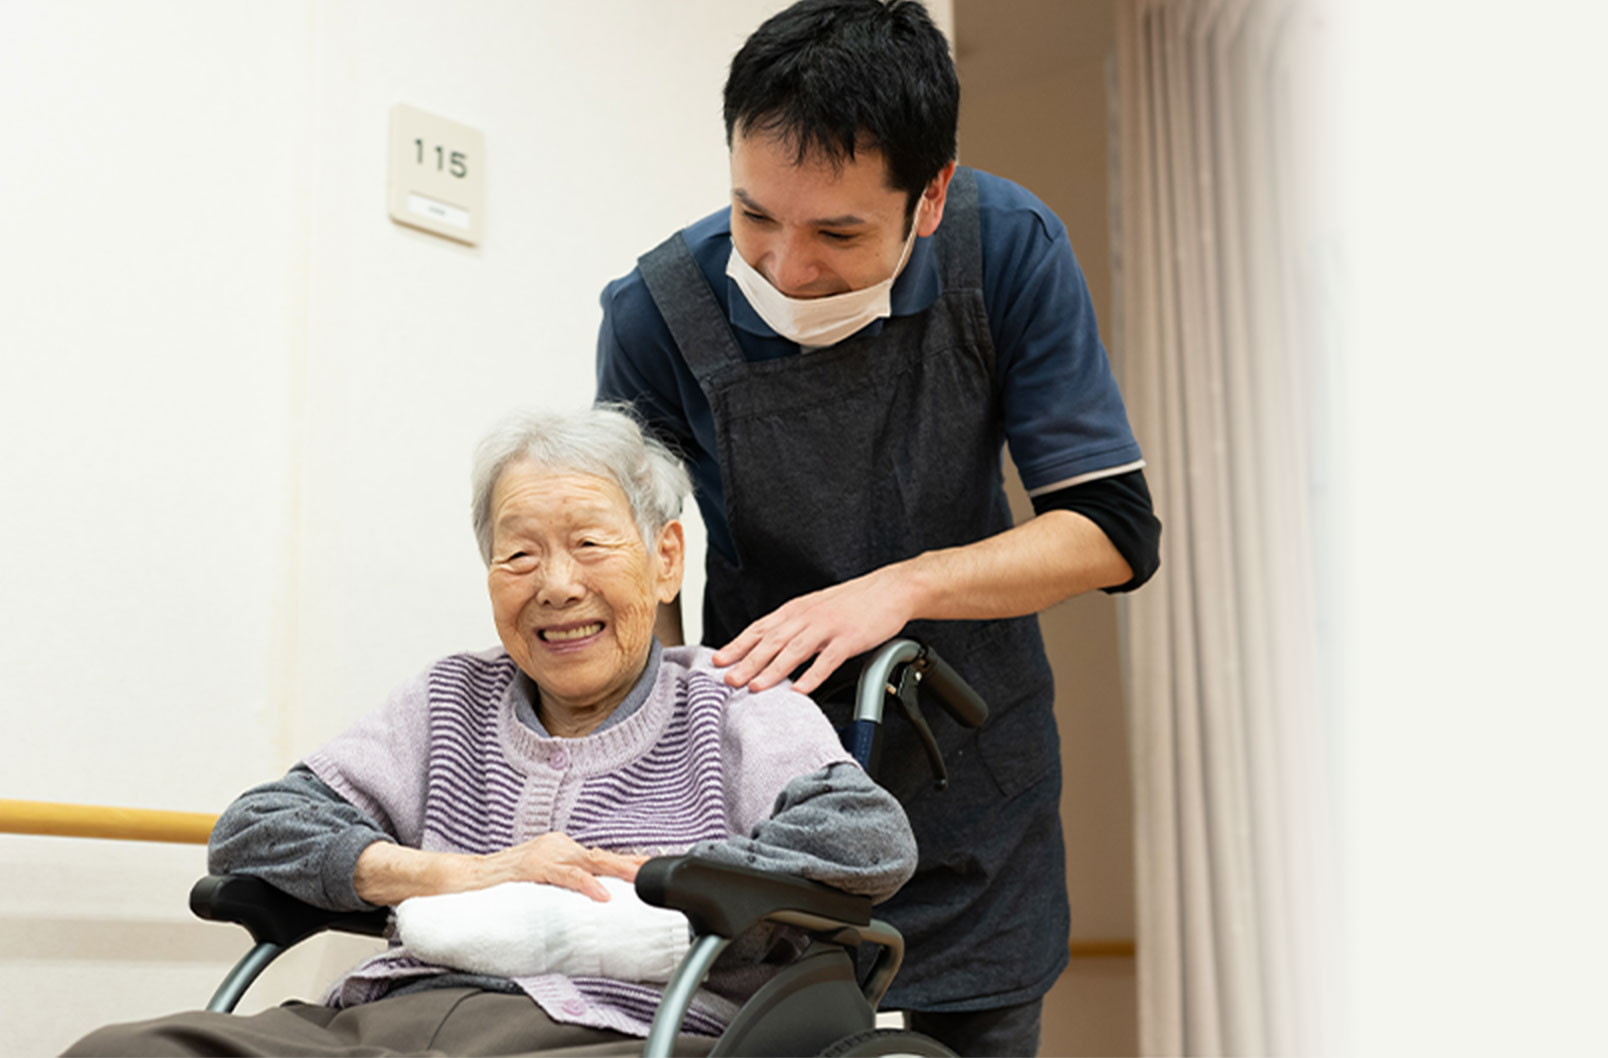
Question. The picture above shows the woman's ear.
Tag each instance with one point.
(671, 551)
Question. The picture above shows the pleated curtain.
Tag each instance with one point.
(1219, 319)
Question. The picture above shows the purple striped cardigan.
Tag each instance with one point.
(447, 765)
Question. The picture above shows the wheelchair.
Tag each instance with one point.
(817, 1004)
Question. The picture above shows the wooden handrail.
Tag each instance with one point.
(101, 821)
(1114, 948)
(148, 824)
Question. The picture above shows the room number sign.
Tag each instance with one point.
(437, 174)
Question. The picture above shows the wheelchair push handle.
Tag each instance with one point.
(954, 693)
(885, 674)
(897, 670)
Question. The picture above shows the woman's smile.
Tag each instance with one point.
(570, 635)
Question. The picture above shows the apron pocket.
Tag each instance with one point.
(1020, 746)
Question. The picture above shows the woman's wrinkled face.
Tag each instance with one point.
(574, 588)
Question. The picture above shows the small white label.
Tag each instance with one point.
(429, 207)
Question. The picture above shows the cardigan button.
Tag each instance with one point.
(558, 759)
(574, 1007)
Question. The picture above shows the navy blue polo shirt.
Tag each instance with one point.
(1063, 417)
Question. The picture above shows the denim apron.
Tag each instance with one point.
(841, 460)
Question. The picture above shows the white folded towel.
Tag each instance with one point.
(522, 929)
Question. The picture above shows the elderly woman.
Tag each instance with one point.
(565, 756)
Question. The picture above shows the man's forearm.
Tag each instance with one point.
(1020, 571)
(1023, 570)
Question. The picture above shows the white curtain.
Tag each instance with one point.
(1219, 309)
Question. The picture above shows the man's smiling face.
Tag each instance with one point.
(813, 228)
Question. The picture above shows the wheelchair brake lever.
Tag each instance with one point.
(906, 693)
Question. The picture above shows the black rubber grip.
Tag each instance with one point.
(954, 693)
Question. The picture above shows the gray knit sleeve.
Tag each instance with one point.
(833, 825)
(298, 835)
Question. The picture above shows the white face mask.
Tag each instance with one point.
(816, 322)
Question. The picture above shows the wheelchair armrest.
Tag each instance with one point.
(725, 900)
(273, 916)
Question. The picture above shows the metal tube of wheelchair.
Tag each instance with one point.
(861, 742)
(241, 977)
(890, 957)
(679, 992)
(874, 677)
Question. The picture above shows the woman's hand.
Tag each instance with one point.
(388, 874)
(558, 859)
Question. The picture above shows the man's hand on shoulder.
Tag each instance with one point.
(831, 625)
(1022, 570)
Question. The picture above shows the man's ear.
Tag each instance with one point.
(671, 550)
(932, 202)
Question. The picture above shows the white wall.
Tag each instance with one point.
(237, 401)
(1467, 443)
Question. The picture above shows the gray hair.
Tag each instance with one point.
(606, 441)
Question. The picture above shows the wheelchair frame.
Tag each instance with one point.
(806, 1007)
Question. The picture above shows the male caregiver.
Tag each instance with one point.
(841, 355)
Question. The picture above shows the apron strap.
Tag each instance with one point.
(690, 310)
(960, 236)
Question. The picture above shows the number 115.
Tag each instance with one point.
(454, 163)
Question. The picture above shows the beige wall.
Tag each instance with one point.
(1033, 108)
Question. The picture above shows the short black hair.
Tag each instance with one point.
(835, 75)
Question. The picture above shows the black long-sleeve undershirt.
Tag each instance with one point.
(1120, 505)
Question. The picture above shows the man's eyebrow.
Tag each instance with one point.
(746, 199)
(846, 220)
